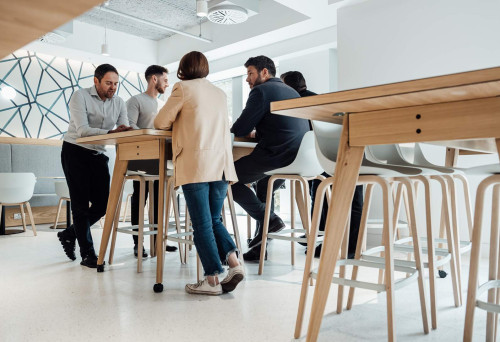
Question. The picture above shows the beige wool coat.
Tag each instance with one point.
(196, 112)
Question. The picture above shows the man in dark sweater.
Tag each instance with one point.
(296, 80)
(278, 136)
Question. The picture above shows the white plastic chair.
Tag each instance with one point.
(304, 167)
(371, 173)
(17, 189)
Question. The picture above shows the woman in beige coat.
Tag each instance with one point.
(196, 112)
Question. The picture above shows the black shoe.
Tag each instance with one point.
(275, 225)
(170, 248)
(90, 260)
(303, 243)
(136, 252)
(317, 251)
(68, 245)
(253, 255)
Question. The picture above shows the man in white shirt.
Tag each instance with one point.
(93, 111)
(142, 110)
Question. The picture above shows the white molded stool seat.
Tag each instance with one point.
(17, 189)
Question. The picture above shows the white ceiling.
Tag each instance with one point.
(135, 45)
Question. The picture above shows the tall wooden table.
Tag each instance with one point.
(138, 144)
(453, 107)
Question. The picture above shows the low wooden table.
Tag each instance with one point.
(447, 108)
(141, 144)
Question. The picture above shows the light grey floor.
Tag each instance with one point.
(46, 297)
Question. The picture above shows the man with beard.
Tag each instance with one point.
(142, 110)
(94, 111)
(278, 136)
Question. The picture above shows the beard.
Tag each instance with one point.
(159, 88)
(258, 81)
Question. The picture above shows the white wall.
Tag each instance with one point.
(319, 69)
(389, 41)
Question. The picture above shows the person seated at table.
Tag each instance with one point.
(196, 112)
(93, 111)
(296, 80)
(279, 138)
(142, 110)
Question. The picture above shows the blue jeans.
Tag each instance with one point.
(212, 241)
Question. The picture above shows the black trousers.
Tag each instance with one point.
(87, 175)
(135, 203)
(356, 211)
(249, 170)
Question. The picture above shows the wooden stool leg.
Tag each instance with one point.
(474, 260)
(468, 210)
(456, 232)
(361, 241)
(177, 219)
(491, 321)
(114, 229)
(151, 215)
(59, 206)
(292, 219)
(23, 216)
(126, 207)
(265, 227)
(311, 243)
(343, 255)
(388, 241)
(234, 221)
(140, 232)
(32, 221)
(417, 252)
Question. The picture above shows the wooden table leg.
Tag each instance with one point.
(160, 249)
(346, 174)
(114, 196)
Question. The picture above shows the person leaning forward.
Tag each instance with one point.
(278, 136)
(93, 111)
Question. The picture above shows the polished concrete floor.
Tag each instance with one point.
(46, 297)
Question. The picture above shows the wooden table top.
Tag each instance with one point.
(124, 137)
(449, 88)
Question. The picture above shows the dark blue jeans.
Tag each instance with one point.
(212, 241)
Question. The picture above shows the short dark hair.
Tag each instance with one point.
(154, 70)
(261, 62)
(103, 69)
(294, 79)
(193, 65)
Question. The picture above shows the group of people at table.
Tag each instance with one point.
(196, 112)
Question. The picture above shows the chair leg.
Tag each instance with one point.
(114, 229)
(361, 240)
(265, 227)
(234, 221)
(140, 233)
(468, 210)
(417, 252)
(126, 208)
(456, 232)
(292, 219)
(30, 213)
(343, 255)
(59, 206)
(491, 321)
(311, 242)
(474, 258)
(175, 207)
(23, 217)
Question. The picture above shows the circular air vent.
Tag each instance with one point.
(52, 38)
(227, 14)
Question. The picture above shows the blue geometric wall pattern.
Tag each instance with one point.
(44, 85)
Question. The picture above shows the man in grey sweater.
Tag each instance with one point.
(142, 110)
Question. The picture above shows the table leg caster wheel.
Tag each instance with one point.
(157, 288)
(100, 268)
(442, 274)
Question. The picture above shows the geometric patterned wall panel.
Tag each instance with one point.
(44, 85)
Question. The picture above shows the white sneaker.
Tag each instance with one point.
(234, 276)
(203, 287)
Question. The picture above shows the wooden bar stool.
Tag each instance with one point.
(492, 286)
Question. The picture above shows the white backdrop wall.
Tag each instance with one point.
(387, 41)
